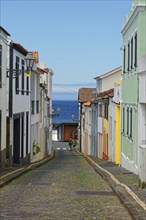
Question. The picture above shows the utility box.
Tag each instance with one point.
(142, 163)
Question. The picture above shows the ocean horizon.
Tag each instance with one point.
(68, 108)
(68, 96)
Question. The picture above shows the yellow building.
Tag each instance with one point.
(117, 141)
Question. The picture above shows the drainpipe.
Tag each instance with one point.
(81, 106)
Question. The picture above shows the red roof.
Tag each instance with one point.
(87, 104)
(85, 94)
(106, 94)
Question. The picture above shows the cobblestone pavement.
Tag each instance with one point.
(65, 188)
(124, 176)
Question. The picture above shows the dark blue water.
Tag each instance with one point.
(67, 109)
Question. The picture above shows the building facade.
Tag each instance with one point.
(104, 94)
(84, 95)
(19, 104)
(4, 127)
(133, 87)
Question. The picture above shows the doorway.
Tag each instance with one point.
(16, 141)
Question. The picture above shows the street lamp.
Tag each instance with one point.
(73, 118)
(55, 114)
(29, 59)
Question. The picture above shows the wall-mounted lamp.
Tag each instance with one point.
(29, 59)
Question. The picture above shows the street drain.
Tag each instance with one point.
(95, 193)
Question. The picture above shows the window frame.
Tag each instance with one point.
(100, 110)
(128, 121)
(22, 76)
(37, 106)
(135, 50)
(131, 53)
(123, 120)
(131, 123)
(124, 60)
(128, 65)
(0, 65)
(32, 107)
(106, 110)
(17, 75)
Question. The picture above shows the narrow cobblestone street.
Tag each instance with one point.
(65, 188)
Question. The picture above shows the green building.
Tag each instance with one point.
(133, 107)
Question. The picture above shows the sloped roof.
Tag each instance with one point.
(109, 73)
(42, 69)
(85, 94)
(106, 94)
(4, 31)
(20, 48)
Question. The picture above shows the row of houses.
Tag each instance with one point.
(25, 104)
(113, 115)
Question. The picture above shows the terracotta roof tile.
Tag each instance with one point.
(85, 94)
(106, 94)
(87, 104)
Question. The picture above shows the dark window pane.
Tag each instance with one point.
(22, 75)
(132, 53)
(135, 64)
(17, 76)
(0, 65)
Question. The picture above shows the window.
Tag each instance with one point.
(0, 126)
(106, 110)
(0, 65)
(27, 131)
(37, 106)
(92, 116)
(22, 137)
(131, 122)
(124, 58)
(17, 75)
(123, 120)
(135, 55)
(27, 85)
(131, 53)
(32, 107)
(127, 120)
(22, 85)
(128, 68)
(70, 132)
(100, 110)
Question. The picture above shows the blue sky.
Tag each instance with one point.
(79, 40)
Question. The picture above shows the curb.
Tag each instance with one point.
(135, 207)
(13, 175)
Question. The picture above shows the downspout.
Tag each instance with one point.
(81, 106)
(11, 80)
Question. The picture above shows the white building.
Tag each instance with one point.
(19, 104)
(84, 135)
(4, 152)
(46, 109)
(35, 111)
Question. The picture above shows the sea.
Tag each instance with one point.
(67, 109)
